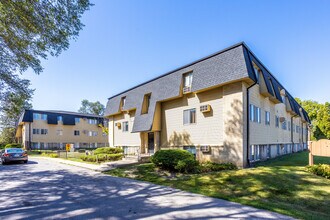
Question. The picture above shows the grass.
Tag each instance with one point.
(281, 185)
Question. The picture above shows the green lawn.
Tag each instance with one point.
(280, 185)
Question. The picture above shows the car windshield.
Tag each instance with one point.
(14, 150)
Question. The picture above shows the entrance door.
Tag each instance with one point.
(151, 143)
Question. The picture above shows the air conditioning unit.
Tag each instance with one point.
(282, 119)
(205, 149)
(205, 108)
(118, 124)
(186, 89)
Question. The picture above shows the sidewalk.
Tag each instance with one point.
(100, 168)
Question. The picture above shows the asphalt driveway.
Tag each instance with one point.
(45, 189)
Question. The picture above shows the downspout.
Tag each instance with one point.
(248, 123)
(29, 145)
(113, 131)
(292, 134)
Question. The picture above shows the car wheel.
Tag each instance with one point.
(25, 161)
(3, 162)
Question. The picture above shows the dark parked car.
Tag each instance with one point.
(13, 154)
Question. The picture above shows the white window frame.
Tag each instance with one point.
(125, 126)
(267, 118)
(189, 116)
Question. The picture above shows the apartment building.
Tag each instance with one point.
(226, 107)
(54, 129)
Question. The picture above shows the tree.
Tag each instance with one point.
(319, 115)
(95, 108)
(30, 30)
(12, 105)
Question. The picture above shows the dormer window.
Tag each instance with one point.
(256, 71)
(146, 103)
(187, 81)
(123, 102)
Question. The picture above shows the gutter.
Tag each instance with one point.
(248, 123)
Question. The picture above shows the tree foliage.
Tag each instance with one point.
(319, 115)
(95, 108)
(11, 107)
(30, 31)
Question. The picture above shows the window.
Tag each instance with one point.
(277, 121)
(251, 112)
(92, 121)
(36, 116)
(125, 126)
(297, 128)
(77, 120)
(293, 126)
(289, 126)
(59, 132)
(268, 151)
(284, 125)
(267, 118)
(76, 133)
(187, 80)
(256, 71)
(191, 149)
(59, 118)
(43, 117)
(255, 114)
(189, 116)
(123, 102)
(36, 131)
(258, 115)
(278, 149)
(34, 145)
(146, 103)
(255, 152)
(44, 131)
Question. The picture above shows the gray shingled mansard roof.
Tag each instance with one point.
(231, 64)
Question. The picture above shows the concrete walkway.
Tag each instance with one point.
(100, 168)
(46, 189)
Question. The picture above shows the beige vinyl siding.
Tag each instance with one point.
(208, 129)
(68, 133)
(120, 137)
(260, 133)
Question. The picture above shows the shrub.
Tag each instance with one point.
(320, 170)
(13, 145)
(170, 160)
(187, 165)
(101, 157)
(108, 150)
(52, 155)
(214, 167)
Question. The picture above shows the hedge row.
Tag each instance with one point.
(13, 145)
(102, 157)
(320, 170)
(108, 150)
(52, 155)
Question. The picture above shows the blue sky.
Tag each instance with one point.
(128, 42)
